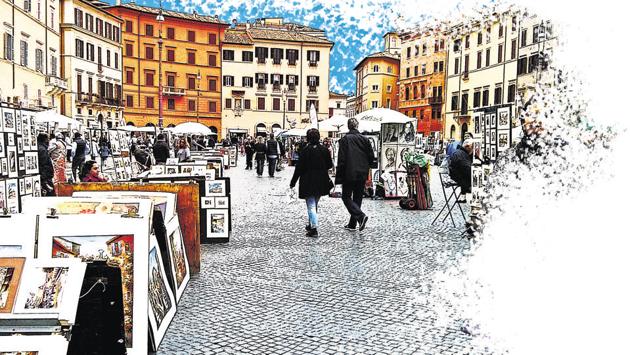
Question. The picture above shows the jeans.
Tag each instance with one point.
(272, 165)
(311, 209)
(260, 164)
(352, 195)
(249, 161)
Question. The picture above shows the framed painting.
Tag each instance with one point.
(34, 345)
(21, 163)
(118, 241)
(389, 155)
(207, 202)
(217, 222)
(3, 153)
(179, 260)
(8, 119)
(12, 195)
(157, 170)
(4, 166)
(50, 286)
(166, 202)
(503, 141)
(172, 161)
(389, 182)
(28, 185)
(10, 139)
(401, 183)
(171, 169)
(3, 196)
(215, 188)
(10, 272)
(13, 161)
(22, 187)
(407, 133)
(32, 163)
(37, 187)
(162, 305)
(504, 118)
(221, 202)
(20, 145)
(390, 132)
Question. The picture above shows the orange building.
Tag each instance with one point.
(377, 76)
(190, 68)
(422, 73)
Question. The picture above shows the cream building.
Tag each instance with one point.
(351, 109)
(92, 63)
(337, 104)
(29, 62)
(272, 73)
(481, 72)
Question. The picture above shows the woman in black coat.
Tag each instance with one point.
(312, 171)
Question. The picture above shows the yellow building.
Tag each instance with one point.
(92, 64)
(377, 77)
(273, 71)
(190, 66)
(29, 61)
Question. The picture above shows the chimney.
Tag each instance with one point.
(118, 2)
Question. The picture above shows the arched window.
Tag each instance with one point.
(213, 129)
(452, 131)
(407, 93)
(415, 92)
(131, 124)
(464, 130)
(149, 125)
(423, 92)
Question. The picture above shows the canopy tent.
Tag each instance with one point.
(383, 115)
(293, 132)
(50, 116)
(192, 128)
(333, 124)
(313, 116)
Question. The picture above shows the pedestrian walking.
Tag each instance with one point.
(104, 151)
(312, 171)
(249, 153)
(183, 152)
(57, 153)
(79, 150)
(356, 157)
(260, 150)
(45, 165)
(274, 151)
(160, 150)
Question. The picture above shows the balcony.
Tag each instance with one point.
(100, 68)
(465, 75)
(292, 62)
(276, 87)
(84, 98)
(173, 91)
(291, 87)
(261, 87)
(312, 89)
(56, 83)
(312, 63)
(435, 100)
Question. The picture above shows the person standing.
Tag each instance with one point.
(79, 150)
(260, 150)
(160, 150)
(460, 166)
(183, 152)
(249, 153)
(274, 151)
(46, 170)
(356, 157)
(312, 171)
(104, 151)
(57, 152)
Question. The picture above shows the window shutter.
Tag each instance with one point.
(317, 56)
(317, 81)
(281, 79)
(266, 51)
(266, 78)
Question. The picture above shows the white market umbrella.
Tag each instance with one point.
(383, 115)
(294, 132)
(192, 128)
(364, 126)
(333, 124)
(313, 115)
(50, 116)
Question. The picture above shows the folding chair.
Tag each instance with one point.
(448, 183)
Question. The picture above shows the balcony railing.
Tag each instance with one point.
(465, 75)
(292, 87)
(276, 61)
(312, 63)
(292, 62)
(57, 82)
(276, 87)
(312, 89)
(171, 90)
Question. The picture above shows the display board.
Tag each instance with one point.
(397, 139)
(19, 165)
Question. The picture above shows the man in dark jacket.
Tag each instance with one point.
(160, 150)
(79, 149)
(355, 158)
(274, 151)
(46, 170)
(460, 166)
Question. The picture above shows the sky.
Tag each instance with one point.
(355, 26)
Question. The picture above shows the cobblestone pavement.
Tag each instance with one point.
(272, 290)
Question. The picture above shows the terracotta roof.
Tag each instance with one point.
(237, 37)
(383, 54)
(332, 93)
(175, 14)
(284, 35)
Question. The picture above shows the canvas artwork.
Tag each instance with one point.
(34, 345)
(401, 158)
(13, 161)
(10, 139)
(477, 123)
(163, 201)
(162, 303)
(32, 162)
(391, 132)
(493, 153)
(186, 169)
(503, 140)
(10, 272)
(12, 195)
(217, 224)
(493, 137)
(157, 169)
(179, 261)
(9, 120)
(389, 183)
(28, 185)
(388, 157)
(4, 166)
(207, 202)
(221, 202)
(22, 188)
(215, 188)
(171, 169)
(408, 133)
(116, 250)
(37, 189)
(20, 146)
(402, 187)
(2, 152)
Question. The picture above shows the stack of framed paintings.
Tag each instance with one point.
(397, 140)
(19, 165)
(216, 215)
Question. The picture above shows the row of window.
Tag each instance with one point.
(488, 56)
(436, 113)
(376, 69)
(262, 79)
(527, 65)
(437, 92)
(102, 28)
(438, 67)
(481, 98)
(277, 55)
(38, 11)
(438, 45)
(105, 90)
(150, 102)
(191, 35)
(539, 33)
(86, 51)
(9, 54)
(191, 55)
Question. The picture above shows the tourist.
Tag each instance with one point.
(104, 151)
(356, 157)
(90, 172)
(79, 149)
(274, 151)
(160, 150)
(183, 152)
(260, 150)
(312, 171)
(57, 152)
(249, 153)
(460, 165)
(46, 170)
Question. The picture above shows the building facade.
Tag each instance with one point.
(31, 54)
(91, 64)
(482, 70)
(337, 104)
(273, 72)
(351, 110)
(422, 79)
(183, 53)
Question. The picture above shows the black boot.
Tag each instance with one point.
(312, 233)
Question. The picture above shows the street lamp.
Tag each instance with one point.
(160, 19)
(198, 81)
(284, 107)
